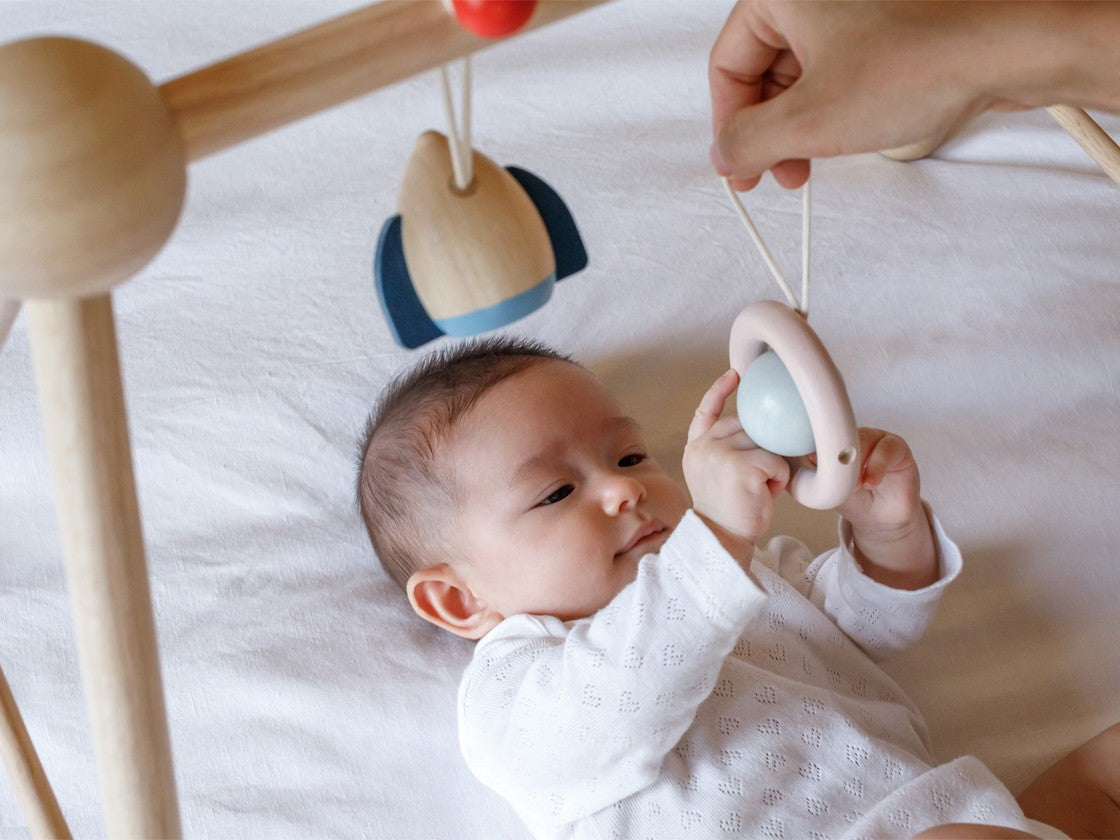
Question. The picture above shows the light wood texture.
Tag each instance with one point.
(92, 172)
(33, 791)
(914, 151)
(314, 69)
(82, 402)
(472, 249)
(9, 309)
(1083, 128)
(1092, 138)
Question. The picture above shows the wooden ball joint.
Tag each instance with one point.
(92, 169)
(92, 177)
(792, 401)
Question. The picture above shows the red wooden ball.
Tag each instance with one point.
(493, 18)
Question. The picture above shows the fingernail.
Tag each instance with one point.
(718, 163)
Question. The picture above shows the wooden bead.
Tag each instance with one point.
(493, 18)
(771, 410)
(92, 169)
(915, 151)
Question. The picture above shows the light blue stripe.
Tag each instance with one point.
(501, 313)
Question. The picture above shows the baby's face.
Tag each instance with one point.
(559, 497)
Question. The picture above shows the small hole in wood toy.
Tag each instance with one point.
(846, 456)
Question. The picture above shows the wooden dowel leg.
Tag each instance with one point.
(82, 402)
(33, 791)
(9, 309)
(1091, 137)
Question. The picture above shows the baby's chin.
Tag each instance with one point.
(626, 564)
(625, 572)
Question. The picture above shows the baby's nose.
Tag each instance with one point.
(622, 493)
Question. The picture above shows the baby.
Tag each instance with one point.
(643, 668)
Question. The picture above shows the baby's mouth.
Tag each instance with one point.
(647, 535)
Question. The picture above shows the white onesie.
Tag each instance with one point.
(702, 703)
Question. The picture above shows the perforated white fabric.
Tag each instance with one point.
(705, 702)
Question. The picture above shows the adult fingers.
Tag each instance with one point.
(764, 136)
(749, 64)
(737, 64)
(711, 404)
(790, 174)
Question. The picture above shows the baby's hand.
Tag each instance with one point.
(733, 482)
(893, 539)
(888, 495)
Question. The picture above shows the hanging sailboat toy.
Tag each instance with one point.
(461, 261)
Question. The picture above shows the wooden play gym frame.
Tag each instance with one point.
(93, 161)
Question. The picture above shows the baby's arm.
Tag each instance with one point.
(566, 718)
(891, 533)
(883, 584)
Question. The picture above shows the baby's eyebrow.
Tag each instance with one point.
(530, 467)
(534, 464)
(624, 424)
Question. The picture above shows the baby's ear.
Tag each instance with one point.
(440, 596)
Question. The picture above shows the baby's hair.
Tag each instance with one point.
(406, 500)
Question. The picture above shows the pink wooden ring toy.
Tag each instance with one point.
(768, 324)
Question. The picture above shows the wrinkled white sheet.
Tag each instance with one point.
(971, 300)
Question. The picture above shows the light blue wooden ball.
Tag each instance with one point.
(771, 410)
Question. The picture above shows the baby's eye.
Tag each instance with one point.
(557, 495)
(631, 460)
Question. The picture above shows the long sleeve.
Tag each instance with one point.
(564, 719)
(880, 619)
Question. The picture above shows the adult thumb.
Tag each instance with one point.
(767, 136)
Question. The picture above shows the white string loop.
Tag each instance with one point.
(802, 306)
(459, 135)
(806, 203)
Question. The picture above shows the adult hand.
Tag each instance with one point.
(792, 81)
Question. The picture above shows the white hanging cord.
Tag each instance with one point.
(806, 202)
(462, 156)
(803, 306)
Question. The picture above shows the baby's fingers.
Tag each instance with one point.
(775, 468)
(883, 453)
(729, 429)
(711, 404)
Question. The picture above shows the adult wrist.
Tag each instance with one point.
(1048, 53)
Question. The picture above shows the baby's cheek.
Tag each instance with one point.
(625, 575)
(676, 502)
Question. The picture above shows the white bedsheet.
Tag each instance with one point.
(971, 300)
